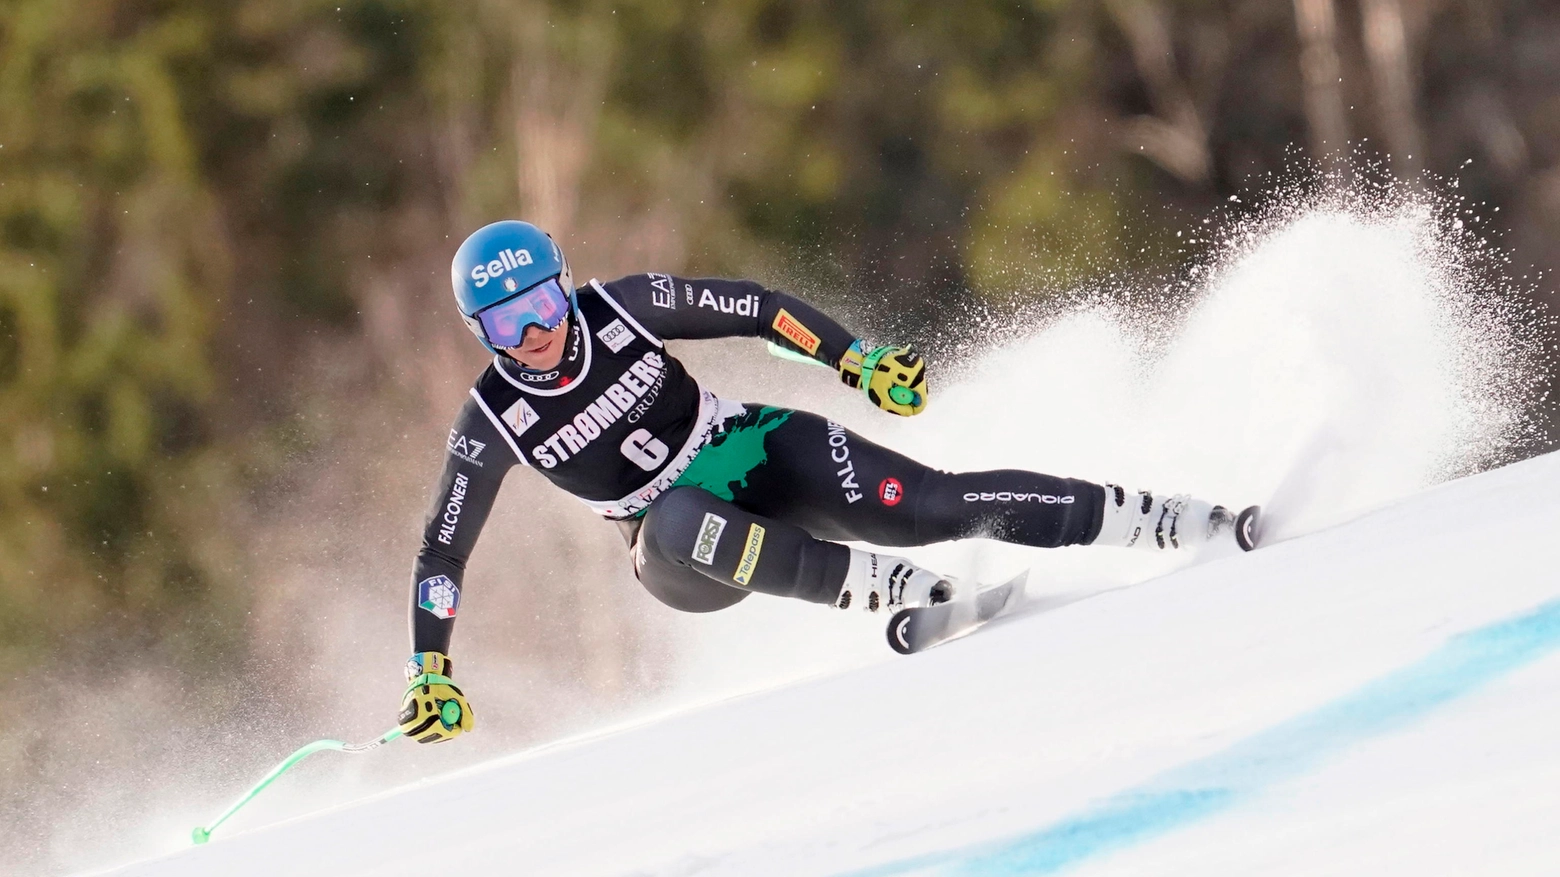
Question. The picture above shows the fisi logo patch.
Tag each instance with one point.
(438, 595)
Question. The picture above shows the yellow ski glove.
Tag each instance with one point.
(896, 377)
(433, 710)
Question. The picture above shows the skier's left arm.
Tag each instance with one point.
(676, 307)
(476, 458)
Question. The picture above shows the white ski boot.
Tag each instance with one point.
(882, 582)
(1143, 520)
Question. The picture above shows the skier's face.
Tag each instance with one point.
(541, 350)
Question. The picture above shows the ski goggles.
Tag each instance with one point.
(544, 305)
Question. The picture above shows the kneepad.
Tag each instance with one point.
(671, 527)
(662, 559)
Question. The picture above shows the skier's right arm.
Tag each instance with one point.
(475, 462)
(892, 377)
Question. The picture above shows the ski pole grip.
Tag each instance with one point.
(869, 365)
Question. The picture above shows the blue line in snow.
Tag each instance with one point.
(1209, 786)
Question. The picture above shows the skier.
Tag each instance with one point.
(715, 498)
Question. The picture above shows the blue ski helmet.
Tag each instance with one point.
(508, 276)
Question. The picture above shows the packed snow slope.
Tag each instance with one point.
(1375, 698)
(1372, 692)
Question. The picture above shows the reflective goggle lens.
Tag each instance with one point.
(542, 305)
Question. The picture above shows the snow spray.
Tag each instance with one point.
(1334, 353)
(1326, 355)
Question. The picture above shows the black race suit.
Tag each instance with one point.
(716, 498)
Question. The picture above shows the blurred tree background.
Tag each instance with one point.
(227, 357)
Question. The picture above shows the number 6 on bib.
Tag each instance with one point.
(644, 450)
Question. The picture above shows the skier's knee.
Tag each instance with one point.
(680, 502)
(672, 512)
(664, 551)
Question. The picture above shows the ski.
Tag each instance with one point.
(920, 628)
(1248, 527)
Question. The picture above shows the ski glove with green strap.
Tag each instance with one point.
(895, 377)
(433, 710)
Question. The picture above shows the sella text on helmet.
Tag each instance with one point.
(507, 261)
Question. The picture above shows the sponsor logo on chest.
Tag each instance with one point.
(615, 335)
(520, 416)
(628, 399)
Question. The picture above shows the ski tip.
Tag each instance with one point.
(200, 835)
(899, 631)
(1247, 527)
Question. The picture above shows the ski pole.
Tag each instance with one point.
(779, 352)
(201, 834)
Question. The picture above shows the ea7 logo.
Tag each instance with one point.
(465, 448)
(664, 291)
